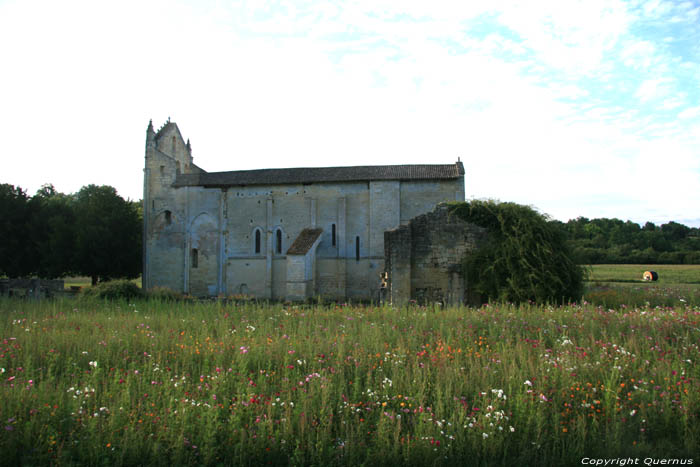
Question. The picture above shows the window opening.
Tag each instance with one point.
(168, 217)
(333, 234)
(279, 241)
(195, 258)
(357, 248)
(257, 241)
(174, 140)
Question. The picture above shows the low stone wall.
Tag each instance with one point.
(30, 288)
(423, 259)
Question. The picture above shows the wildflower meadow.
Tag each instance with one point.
(216, 383)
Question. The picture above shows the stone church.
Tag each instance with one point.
(288, 233)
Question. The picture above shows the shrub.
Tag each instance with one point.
(526, 257)
(113, 290)
(164, 294)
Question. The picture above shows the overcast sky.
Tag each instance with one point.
(587, 108)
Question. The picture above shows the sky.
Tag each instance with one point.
(577, 108)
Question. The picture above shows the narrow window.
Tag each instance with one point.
(333, 234)
(168, 217)
(177, 164)
(195, 258)
(162, 170)
(174, 140)
(257, 241)
(357, 248)
(279, 241)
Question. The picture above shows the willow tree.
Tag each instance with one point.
(526, 256)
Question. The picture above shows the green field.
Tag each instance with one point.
(95, 383)
(621, 286)
(669, 274)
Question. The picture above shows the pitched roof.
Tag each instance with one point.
(322, 174)
(304, 241)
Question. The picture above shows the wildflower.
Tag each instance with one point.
(485, 435)
(244, 349)
(93, 364)
(633, 412)
(527, 383)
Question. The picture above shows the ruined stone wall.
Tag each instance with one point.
(31, 288)
(424, 258)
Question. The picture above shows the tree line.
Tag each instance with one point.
(612, 241)
(94, 233)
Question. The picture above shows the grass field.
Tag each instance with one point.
(669, 274)
(620, 285)
(82, 282)
(244, 384)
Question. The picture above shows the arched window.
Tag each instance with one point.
(357, 248)
(195, 258)
(332, 234)
(257, 241)
(278, 246)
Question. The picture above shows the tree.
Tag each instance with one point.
(54, 232)
(17, 255)
(108, 235)
(526, 257)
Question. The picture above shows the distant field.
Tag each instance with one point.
(69, 282)
(668, 273)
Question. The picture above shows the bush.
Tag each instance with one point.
(164, 294)
(113, 290)
(526, 257)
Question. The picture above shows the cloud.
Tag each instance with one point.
(690, 112)
(564, 105)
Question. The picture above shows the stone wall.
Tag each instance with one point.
(34, 288)
(423, 258)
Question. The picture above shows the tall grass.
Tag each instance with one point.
(119, 383)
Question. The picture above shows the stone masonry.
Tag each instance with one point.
(423, 259)
(229, 233)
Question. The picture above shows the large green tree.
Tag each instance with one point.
(526, 257)
(54, 233)
(107, 235)
(17, 255)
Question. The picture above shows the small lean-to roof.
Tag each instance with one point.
(322, 175)
(304, 241)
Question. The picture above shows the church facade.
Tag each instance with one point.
(277, 233)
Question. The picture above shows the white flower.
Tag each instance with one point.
(527, 383)
(484, 435)
(93, 364)
(633, 412)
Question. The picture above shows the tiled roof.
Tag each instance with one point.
(304, 241)
(322, 174)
